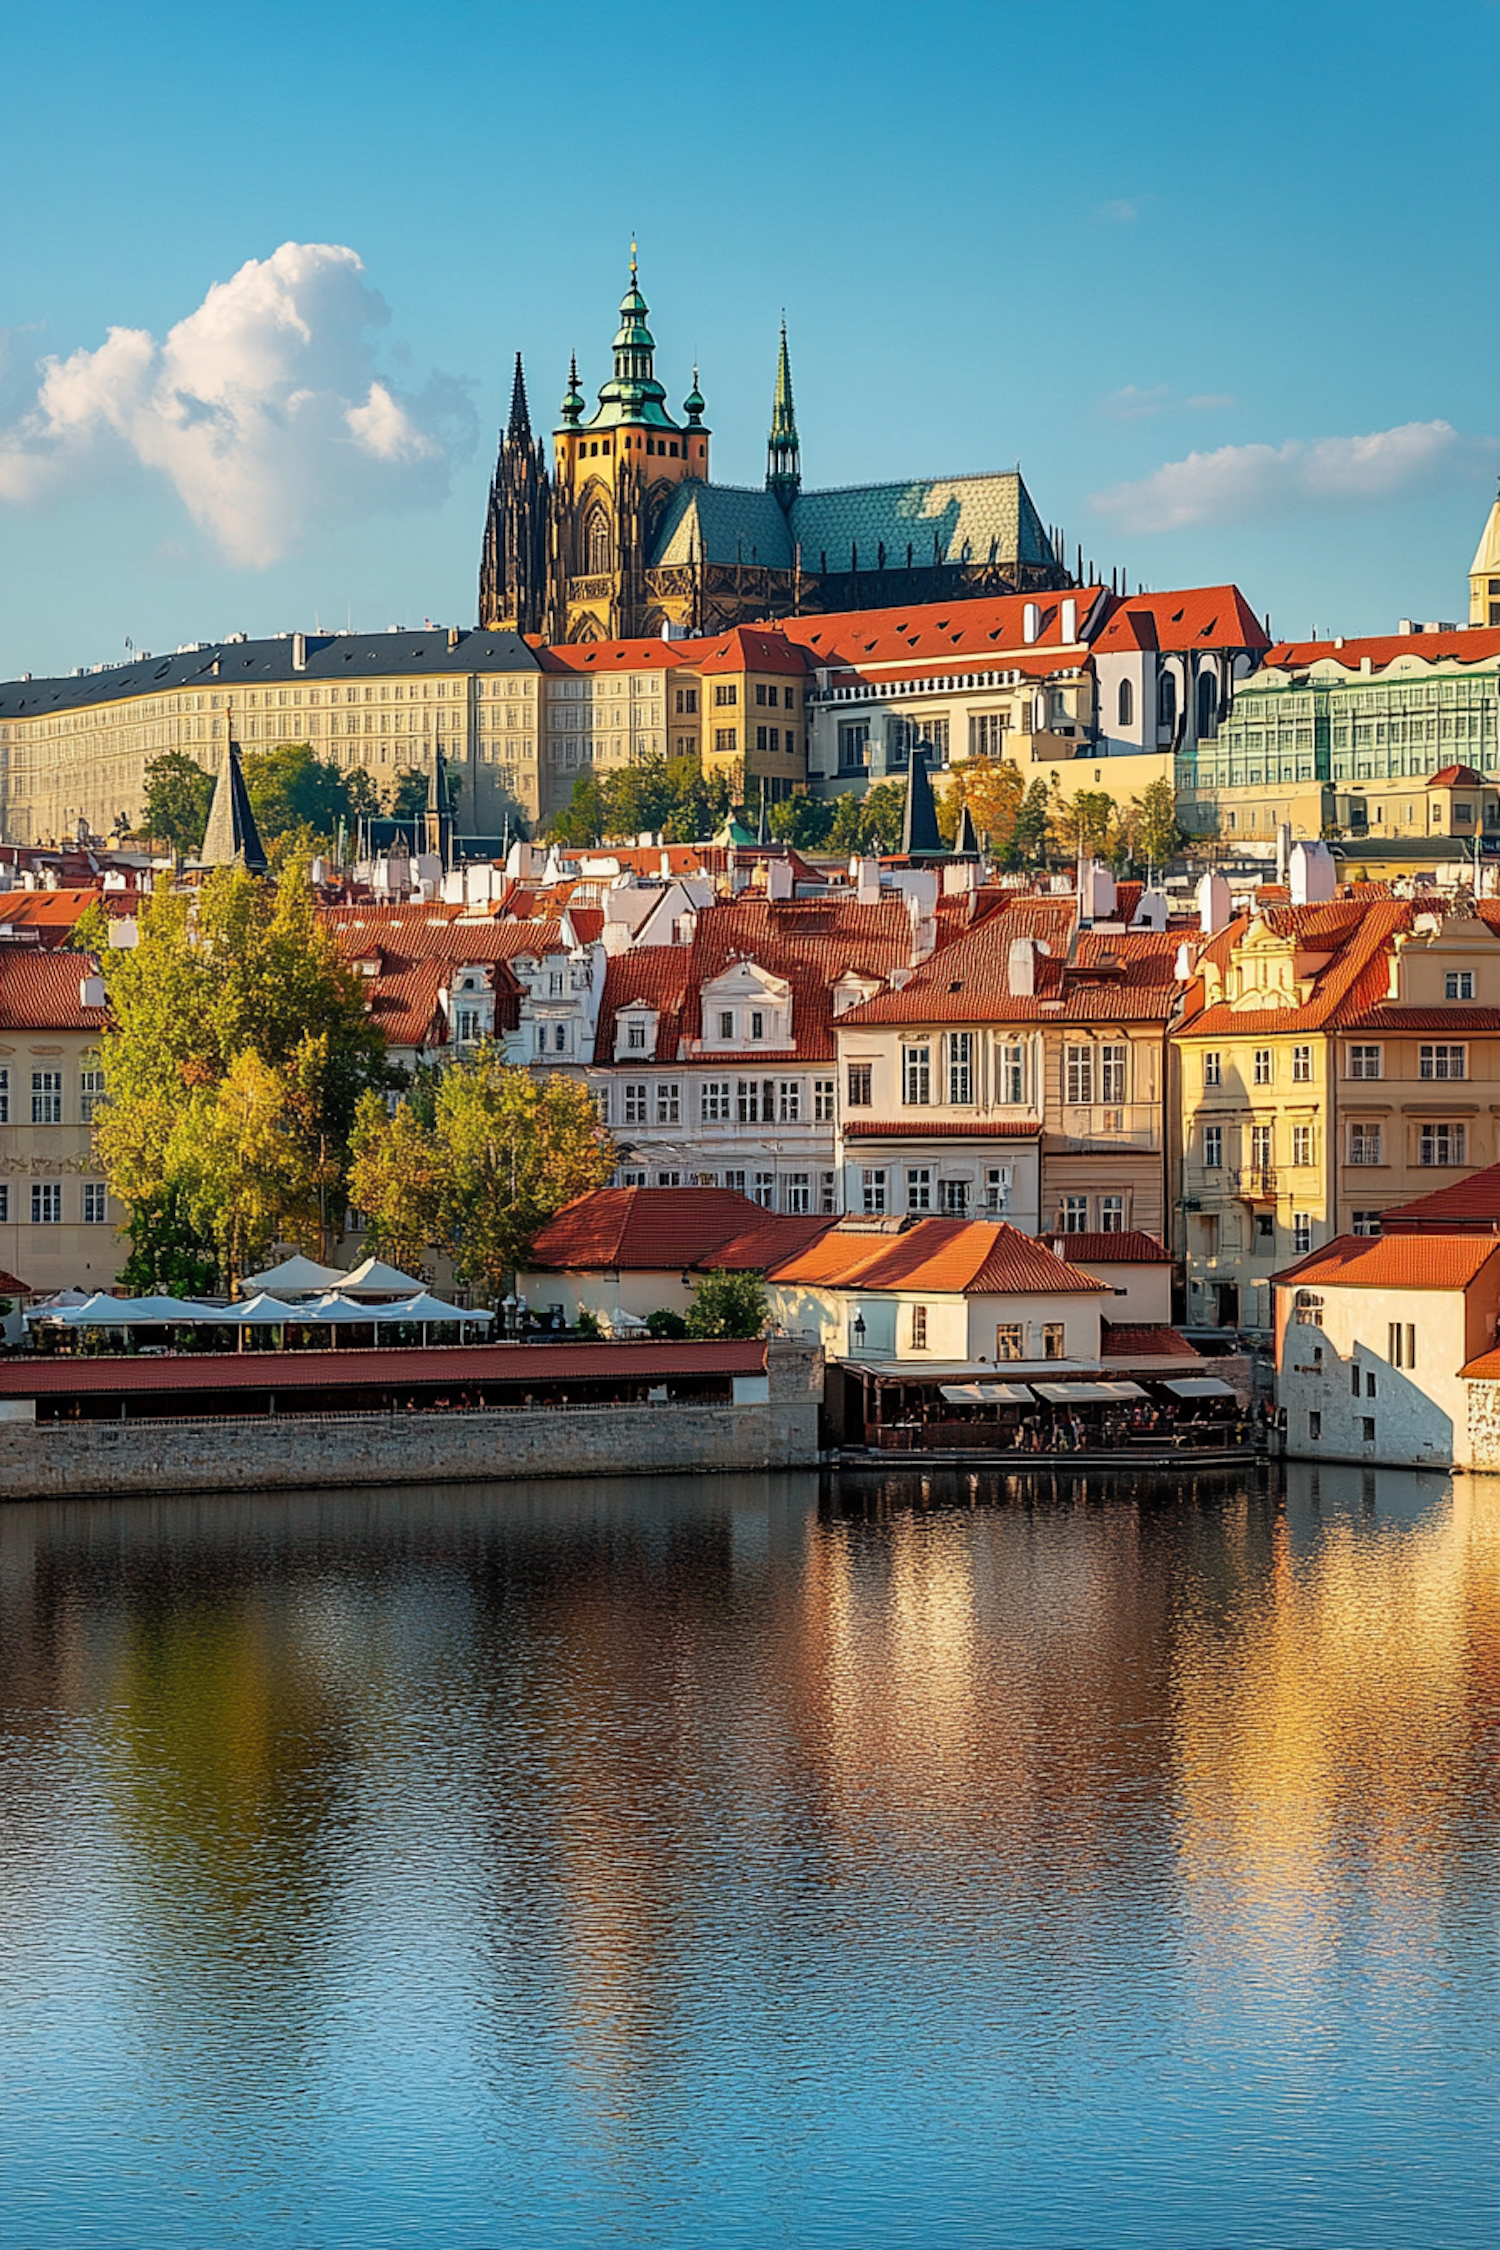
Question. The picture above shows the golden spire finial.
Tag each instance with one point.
(632, 257)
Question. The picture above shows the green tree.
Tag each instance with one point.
(291, 787)
(803, 822)
(168, 1256)
(1028, 843)
(248, 1162)
(505, 1149)
(871, 823)
(1080, 825)
(409, 799)
(581, 819)
(1158, 837)
(727, 1305)
(178, 796)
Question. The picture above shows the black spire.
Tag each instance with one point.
(513, 563)
(520, 418)
(919, 828)
(232, 838)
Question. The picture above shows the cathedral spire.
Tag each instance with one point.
(783, 453)
(520, 417)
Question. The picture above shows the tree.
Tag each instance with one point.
(242, 968)
(409, 800)
(503, 1151)
(727, 1305)
(803, 822)
(581, 819)
(871, 823)
(178, 796)
(291, 787)
(1028, 841)
(168, 1256)
(1158, 837)
(994, 790)
(1081, 824)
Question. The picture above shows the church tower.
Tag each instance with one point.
(1484, 574)
(613, 478)
(783, 453)
(513, 564)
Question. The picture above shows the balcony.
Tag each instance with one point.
(1255, 1183)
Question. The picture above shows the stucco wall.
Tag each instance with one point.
(1420, 1415)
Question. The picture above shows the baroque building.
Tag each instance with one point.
(625, 534)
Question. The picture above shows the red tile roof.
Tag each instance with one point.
(1355, 933)
(1456, 777)
(417, 948)
(1472, 1204)
(1129, 1249)
(39, 990)
(1398, 1261)
(647, 1230)
(949, 633)
(1471, 645)
(1112, 979)
(1194, 617)
(964, 1257)
(1126, 1339)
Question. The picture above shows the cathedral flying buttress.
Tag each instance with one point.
(620, 532)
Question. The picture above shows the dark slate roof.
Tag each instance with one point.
(967, 514)
(231, 664)
(723, 523)
(232, 838)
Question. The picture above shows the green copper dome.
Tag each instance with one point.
(692, 405)
(573, 400)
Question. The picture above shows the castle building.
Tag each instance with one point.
(625, 535)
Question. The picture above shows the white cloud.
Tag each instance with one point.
(1239, 483)
(1124, 209)
(1134, 404)
(263, 408)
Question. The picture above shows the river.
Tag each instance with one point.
(740, 1861)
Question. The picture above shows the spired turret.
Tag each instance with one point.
(1484, 574)
(513, 564)
(783, 453)
(232, 838)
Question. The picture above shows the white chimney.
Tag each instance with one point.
(1020, 968)
(1312, 874)
(91, 992)
(867, 882)
(1096, 892)
(1213, 904)
(778, 878)
(1151, 914)
(1182, 966)
(1031, 622)
(299, 652)
(1069, 626)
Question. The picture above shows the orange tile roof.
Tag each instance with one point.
(1129, 977)
(1473, 1203)
(1128, 1339)
(1193, 617)
(951, 1257)
(39, 990)
(962, 632)
(1397, 1261)
(1358, 935)
(1485, 1369)
(1456, 777)
(665, 1229)
(1472, 644)
(1132, 1248)
(981, 1129)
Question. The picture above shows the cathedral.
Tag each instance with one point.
(620, 530)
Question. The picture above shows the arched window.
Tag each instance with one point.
(1126, 704)
(1207, 704)
(596, 543)
(1166, 700)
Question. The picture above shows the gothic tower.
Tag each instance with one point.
(783, 453)
(513, 565)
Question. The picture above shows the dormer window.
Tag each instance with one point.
(1458, 984)
(726, 1024)
(635, 1038)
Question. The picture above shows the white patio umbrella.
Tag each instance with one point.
(298, 1276)
(375, 1279)
(428, 1308)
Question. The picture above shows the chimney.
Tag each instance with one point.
(1213, 904)
(299, 652)
(1020, 968)
(1031, 622)
(452, 636)
(1406, 627)
(778, 878)
(1182, 966)
(91, 992)
(1069, 627)
(867, 882)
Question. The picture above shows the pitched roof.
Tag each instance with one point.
(1194, 617)
(1398, 1261)
(1473, 644)
(1456, 777)
(951, 633)
(1356, 934)
(968, 1257)
(1113, 978)
(1128, 1339)
(984, 518)
(1472, 1204)
(660, 1229)
(722, 523)
(40, 990)
(1132, 1248)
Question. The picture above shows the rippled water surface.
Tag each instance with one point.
(731, 1862)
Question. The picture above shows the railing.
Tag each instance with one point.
(385, 1415)
(1256, 1183)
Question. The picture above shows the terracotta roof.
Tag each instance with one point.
(1473, 1203)
(639, 1229)
(1113, 979)
(417, 949)
(39, 990)
(1485, 1369)
(1471, 645)
(968, 1257)
(1194, 617)
(1456, 777)
(1397, 1016)
(1125, 1339)
(11, 1285)
(1399, 1261)
(1356, 934)
(949, 633)
(1129, 1249)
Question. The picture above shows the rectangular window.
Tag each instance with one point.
(726, 740)
(668, 1102)
(764, 1190)
(1075, 1214)
(1079, 1089)
(1213, 1069)
(1302, 1066)
(1302, 1144)
(919, 1328)
(828, 1199)
(716, 1101)
(1441, 1144)
(854, 745)
(1213, 1148)
(987, 734)
(1458, 984)
(46, 1204)
(726, 1023)
(1111, 1214)
(859, 1085)
(997, 1188)
(635, 1102)
(1354, 1378)
(1053, 1339)
(1441, 1062)
(760, 737)
(1366, 1222)
(90, 1090)
(735, 1182)
(823, 1101)
(1365, 1144)
(1010, 1340)
(760, 692)
(1367, 1428)
(1112, 1064)
(954, 1197)
(1263, 1066)
(789, 1101)
(1260, 1148)
(635, 1038)
(873, 1190)
(916, 1076)
(918, 1187)
(961, 1067)
(755, 1101)
(1364, 1062)
(1315, 1426)
(46, 1097)
(757, 1024)
(725, 694)
(4, 1097)
(95, 1203)
(669, 1179)
(1301, 1232)
(1401, 1343)
(797, 1192)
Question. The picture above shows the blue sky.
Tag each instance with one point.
(1223, 280)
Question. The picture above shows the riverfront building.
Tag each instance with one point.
(58, 1220)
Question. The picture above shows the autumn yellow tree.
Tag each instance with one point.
(994, 790)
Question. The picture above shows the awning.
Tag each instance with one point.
(1087, 1394)
(104, 1311)
(1203, 1386)
(298, 1274)
(986, 1394)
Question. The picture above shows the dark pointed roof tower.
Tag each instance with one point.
(783, 453)
(966, 843)
(513, 562)
(919, 828)
(520, 418)
(231, 838)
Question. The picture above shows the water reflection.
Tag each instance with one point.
(1020, 1860)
